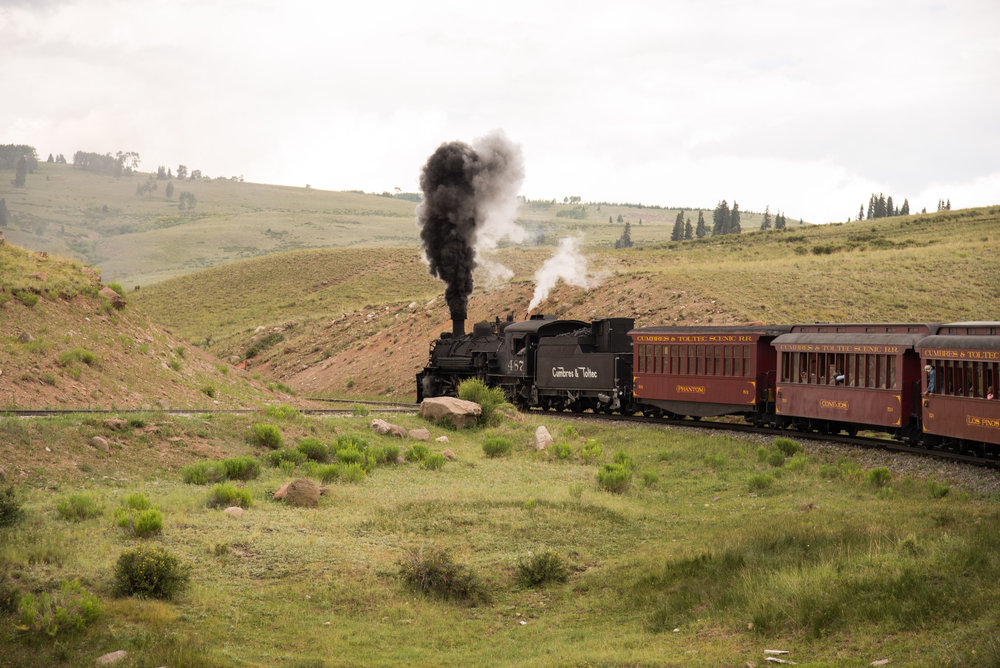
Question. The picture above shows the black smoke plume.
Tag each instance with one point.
(466, 189)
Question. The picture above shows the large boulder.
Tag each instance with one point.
(303, 493)
(420, 434)
(116, 299)
(543, 439)
(459, 412)
(387, 428)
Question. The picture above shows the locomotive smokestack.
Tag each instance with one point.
(463, 188)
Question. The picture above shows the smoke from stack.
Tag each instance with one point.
(567, 264)
(470, 198)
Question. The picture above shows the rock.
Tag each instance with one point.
(24, 337)
(38, 276)
(442, 439)
(235, 511)
(111, 657)
(282, 491)
(383, 427)
(115, 424)
(459, 412)
(100, 443)
(449, 455)
(543, 438)
(116, 299)
(420, 434)
(303, 493)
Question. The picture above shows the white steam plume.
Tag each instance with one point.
(567, 264)
(496, 201)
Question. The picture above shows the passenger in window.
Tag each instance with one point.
(989, 392)
(930, 378)
(839, 379)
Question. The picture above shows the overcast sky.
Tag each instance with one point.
(805, 106)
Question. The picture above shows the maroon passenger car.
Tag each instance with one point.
(962, 409)
(834, 377)
(704, 371)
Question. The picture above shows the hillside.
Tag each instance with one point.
(62, 345)
(337, 339)
(141, 239)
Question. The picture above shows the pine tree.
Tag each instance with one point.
(861, 212)
(734, 219)
(625, 240)
(888, 206)
(170, 190)
(880, 206)
(51, 159)
(701, 230)
(766, 225)
(947, 206)
(720, 219)
(688, 231)
(611, 221)
(905, 211)
(4, 213)
(779, 221)
(678, 231)
(871, 207)
(21, 174)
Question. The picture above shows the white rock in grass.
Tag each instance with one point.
(235, 511)
(111, 657)
(543, 438)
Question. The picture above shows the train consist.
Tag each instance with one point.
(928, 383)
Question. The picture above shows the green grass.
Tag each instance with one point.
(829, 567)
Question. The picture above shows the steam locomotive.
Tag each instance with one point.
(929, 383)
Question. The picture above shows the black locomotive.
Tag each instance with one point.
(543, 361)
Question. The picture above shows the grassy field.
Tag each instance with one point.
(718, 549)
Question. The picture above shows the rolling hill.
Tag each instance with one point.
(139, 239)
(339, 337)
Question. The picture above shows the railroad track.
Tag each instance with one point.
(46, 412)
(855, 441)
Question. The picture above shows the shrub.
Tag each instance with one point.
(117, 287)
(614, 478)
(141, 523)
(262, 345)
(649, 477)
(759, 482)
(570, 433)
(327, 472)
(71, 609)
(496, 446)
(937, 490)
(488, 398)
(266, 435)
(796, 463)
(562, 450)
(591, 452)
(360, 410)
(175, 365)
(77, 508)
(538, 569)
(314, 449)
(351, 440)
(433, 462)
(879, 477)
(202, 473)
(276, 457)
(149, 572)
(29, 299)
(240, 468)
(352, 473)
(227, 494)
(282, 412)
(417, 452)
(787, 446)
(622, 459)
(350, 454)
(385, 454)
(209, 391)
(10, 509)
(136, 501)
(433, 572)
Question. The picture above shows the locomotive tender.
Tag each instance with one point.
(825, 377)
